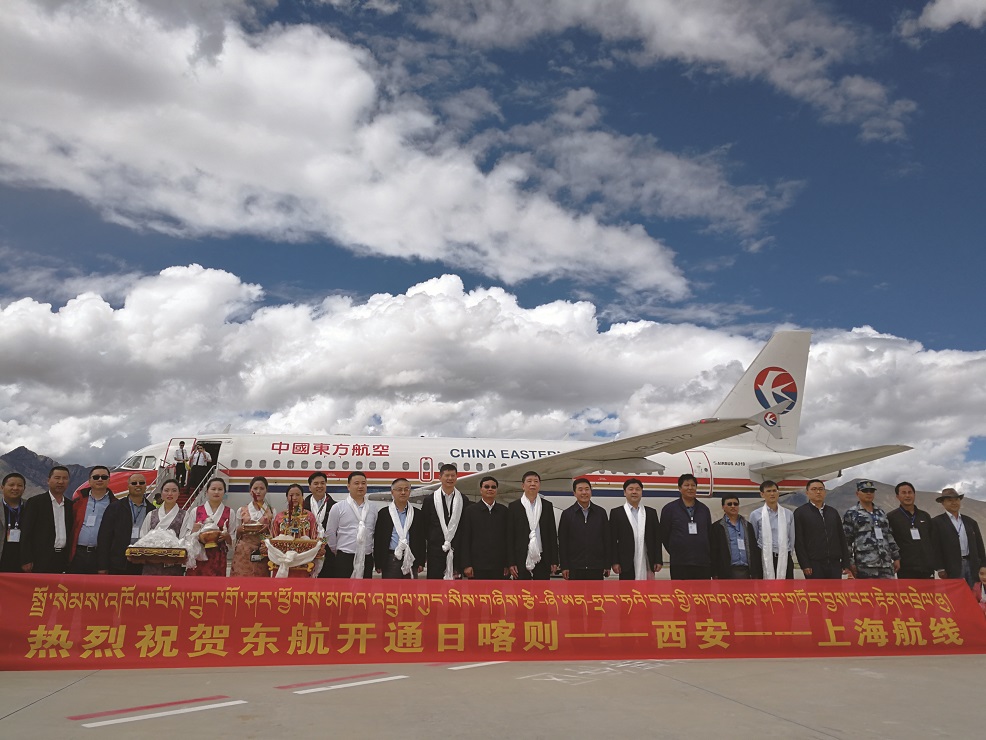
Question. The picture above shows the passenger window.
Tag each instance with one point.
(263, 464)
(373, 466)
(304, 465)
(359, 464)
(386, 466)
(290, 464)
(406, 466)
(318, 465)
(233, 463)
(248, 464)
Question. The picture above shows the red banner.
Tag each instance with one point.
(79, 622)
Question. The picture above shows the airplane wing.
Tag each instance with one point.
(626, 455)
(812, 467)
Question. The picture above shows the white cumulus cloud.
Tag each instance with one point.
(940, 15)
(193, 348)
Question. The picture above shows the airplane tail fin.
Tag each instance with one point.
(776, 376)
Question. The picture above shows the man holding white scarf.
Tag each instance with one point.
(349, 531)
(398, 538)
(532, 540)
(776, 540)
(441, 513)
(636, 546)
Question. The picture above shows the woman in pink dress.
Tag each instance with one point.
(169, 516)
(251, 527)
(211, 522)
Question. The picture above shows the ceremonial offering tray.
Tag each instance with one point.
(157, 555)
(254, 527)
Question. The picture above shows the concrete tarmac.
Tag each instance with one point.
(893, 697)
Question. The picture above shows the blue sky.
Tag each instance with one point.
(712, 169)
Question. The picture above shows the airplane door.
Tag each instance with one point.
(426, 470)
(701, 469)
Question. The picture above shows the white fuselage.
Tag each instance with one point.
(285, 459)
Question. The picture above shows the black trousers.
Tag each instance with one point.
(492, 574)
(181, 474)
(690, 572)
(342, 566)
(585, 574)
(197, 476)
(541, 572)
(912, 573)
(84, 562)
(790, 565)
(392, 568)
(824, 570)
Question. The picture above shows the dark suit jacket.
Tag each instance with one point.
(819, 537)
(114, 537)
(722, 557)
(384, 530)
(518, 534)
(584, 542)
(948, 557)
(433, 530)
(916, 556)
(329, 503)
(621, 540)
(484, 537)
(38, 533)
(684, 548)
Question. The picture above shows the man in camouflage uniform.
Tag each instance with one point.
(873, 553)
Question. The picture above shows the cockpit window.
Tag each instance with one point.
(150, 462)
(132, 463)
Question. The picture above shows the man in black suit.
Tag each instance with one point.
(911, 528)
(484, 535)
(958, 543)
(46, 537)
(120, 528)
(532, 559)
(439, 532)
(623, 536)
(583, 537)
(819, 539)
(389, 552)
(319, 503)
(685, 525)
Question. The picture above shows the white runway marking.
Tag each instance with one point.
(349, 685)
(155, 715)
(475, 665)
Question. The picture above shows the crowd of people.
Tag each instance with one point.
(451, 537)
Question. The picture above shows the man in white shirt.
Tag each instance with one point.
(181, 464)
(776, 537)
(349, 531)
(201, 462)
(47, 526)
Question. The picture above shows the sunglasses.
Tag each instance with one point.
(731, 503)
(99, 477)
(138, 483)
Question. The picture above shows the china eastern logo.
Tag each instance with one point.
(775, 385)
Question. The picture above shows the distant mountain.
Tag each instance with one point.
(35, 468)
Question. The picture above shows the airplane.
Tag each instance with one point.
(751, 438)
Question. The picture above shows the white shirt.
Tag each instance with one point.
(201, 458)
(58, 510)
(340, 530)
(181, 455)
(963, 537)
(756, 517)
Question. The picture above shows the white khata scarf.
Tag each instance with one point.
(164, 519)
(640, 569)
(362, 535)
(533, 517)
(403, 551)
(448, 530)
(767, 535)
